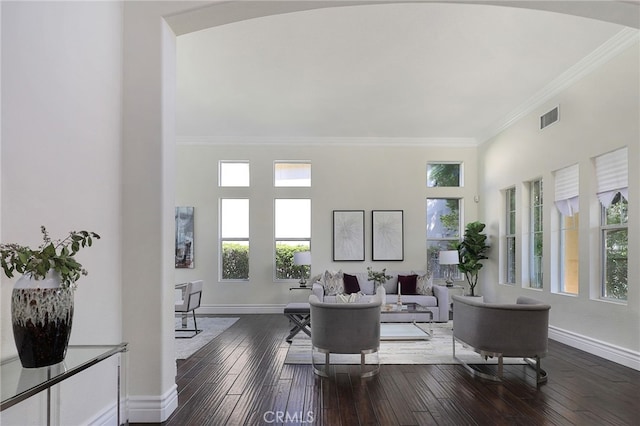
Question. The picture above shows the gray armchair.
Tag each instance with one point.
(502, 330)
(345, 328)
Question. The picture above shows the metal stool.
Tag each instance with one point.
(300, 315)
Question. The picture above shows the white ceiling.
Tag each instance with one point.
(415, 72)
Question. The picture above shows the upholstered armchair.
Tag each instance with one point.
(346, 328)
(502, 330)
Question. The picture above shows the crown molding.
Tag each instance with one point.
(603, 54)
(328, 141)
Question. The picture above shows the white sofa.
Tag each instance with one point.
(436, 300)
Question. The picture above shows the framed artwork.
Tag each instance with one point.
(184, 237)
(387, 235)
(348, 235)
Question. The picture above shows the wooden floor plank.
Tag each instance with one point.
(240, 378)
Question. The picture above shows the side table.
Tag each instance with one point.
(20, 383)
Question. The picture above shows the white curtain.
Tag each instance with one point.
(612, 175)
(567, 186)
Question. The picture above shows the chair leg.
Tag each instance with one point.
(195, 328)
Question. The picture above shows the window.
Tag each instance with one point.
(292, 174)
(510, 237)
(234, 238)
(443, 231)
(567, 203)
(292, 234)
(535, 234)
(444, 174)
(234, 173)
(612, 189)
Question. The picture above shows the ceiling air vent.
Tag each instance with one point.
(549, 118)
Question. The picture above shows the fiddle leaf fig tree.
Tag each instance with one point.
(471, 251)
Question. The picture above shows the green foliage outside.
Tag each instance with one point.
(443, 175)
(285, 269)
(616, 250)
(235, 261)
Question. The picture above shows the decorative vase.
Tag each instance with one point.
(42, 314)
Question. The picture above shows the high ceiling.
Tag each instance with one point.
(424, 73)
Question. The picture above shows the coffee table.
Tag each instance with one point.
(408, 330)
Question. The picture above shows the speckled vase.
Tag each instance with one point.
(42, 314)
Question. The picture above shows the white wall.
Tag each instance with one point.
(61, 160)
(347, 177)
(598, 114)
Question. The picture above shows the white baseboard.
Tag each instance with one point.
(605, 350)
(153, 409)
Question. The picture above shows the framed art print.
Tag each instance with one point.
(184, 237)
(387, 235)
(348, 235)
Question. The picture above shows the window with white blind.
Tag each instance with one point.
(613, 193)
(567, 203)
(292, 174)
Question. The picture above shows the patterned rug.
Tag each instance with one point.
(437, 350)
(210, 326)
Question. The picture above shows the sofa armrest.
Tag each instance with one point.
(318, 291)
(442, 294)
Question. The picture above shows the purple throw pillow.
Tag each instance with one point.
(351, 284)
(408, 284)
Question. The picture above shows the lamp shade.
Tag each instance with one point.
(302, 258)
(448, 257)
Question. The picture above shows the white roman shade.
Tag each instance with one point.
(567, 189)
(612, 175)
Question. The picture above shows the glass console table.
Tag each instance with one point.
(20, 383)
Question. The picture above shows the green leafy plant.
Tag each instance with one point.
(471, 251)
(379, 277)
(51, 254)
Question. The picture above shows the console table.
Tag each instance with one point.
(20, 383)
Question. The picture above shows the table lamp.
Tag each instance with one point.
(302, 258)
(448, 258)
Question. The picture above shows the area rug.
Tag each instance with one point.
(210, 326)
(437, 350)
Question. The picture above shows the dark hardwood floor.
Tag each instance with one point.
(240, 379)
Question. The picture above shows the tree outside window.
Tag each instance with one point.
(615, 245)
(443, 231)
(444, 174)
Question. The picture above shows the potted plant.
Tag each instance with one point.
(378, 277)
(471, 251)
(42, 299)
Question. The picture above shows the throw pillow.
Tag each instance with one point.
(348, 298)
(408, 284)
(424, 284)
(391, 285)
(333, 283)
(351, 284)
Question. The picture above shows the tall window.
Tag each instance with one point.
(443, 231)
(567, 203)
(444, 174)
(234, 238)
(292, 232)
(613, 192)
(535, 234)
(292, 173)
(510, 237)
(234, 173)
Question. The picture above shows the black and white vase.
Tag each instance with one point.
(42, 314)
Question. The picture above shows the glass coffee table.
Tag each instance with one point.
(414, 328)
